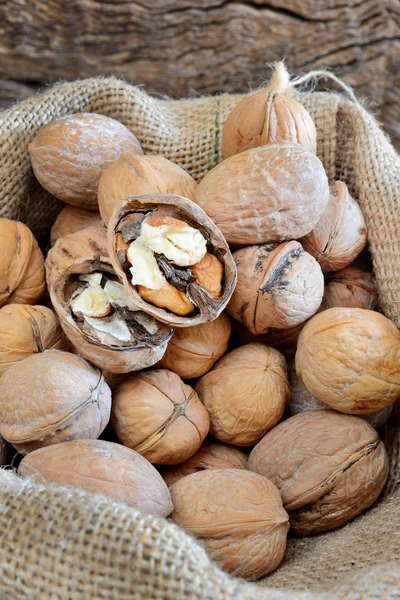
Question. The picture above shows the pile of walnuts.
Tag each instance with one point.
(170, 313)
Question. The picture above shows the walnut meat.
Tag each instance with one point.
(72, 219)
(336, 468)
(101, 467)
(26, 330)
(236, 516)
(350, 287)
(340, 234)
(279, 285)
(69, 155)
(21, 265)
(212, 455)
(135, 175)
(173, 261)
(245, 394)
(192, 351)
(159, 416)
(350, 359)
(52, 397)
(90, 242)
(267, 194)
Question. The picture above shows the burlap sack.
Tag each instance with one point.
(63, 543)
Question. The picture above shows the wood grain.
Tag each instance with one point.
(189, 47)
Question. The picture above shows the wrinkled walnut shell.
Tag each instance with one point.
(136, 175)
(340, 234)
(279, 285)
(350, 287)
(350, 359)
(21, 265)
(72, 219)
(335, 469)
(268, 194)
(101, 467)
(26, 330)
(245, 394)
(159, 416)
(207, 307)
(192, 351)
(211, 455)
(118, 358)
(52, 397)
(236, 516)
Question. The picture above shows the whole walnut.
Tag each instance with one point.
(268, 194)
(269, 115)
(135, 175)
(236, 516)
(350, 287)
(192, 351)
(340, 234)
(102, 467)
(21, 265)
(335, 468)
(279, 285)
(26, 330)
(284, 340)
(72, 219)
(350, 359)
(245, 394)
(52, 397)
(211, 455)
(90, 242)
(69, 155)
(302, 400)
(159, 416)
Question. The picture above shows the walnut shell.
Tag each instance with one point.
(112, 355)
(284, 340)
(245, 394)
(340, 234)
(279, 285)
(350, 287)
(135, 175)
(265, 117)
(211, 455)
(236, 516)
(21, 265)
(101, 467)
(26, 330)
(72, 219)
(350, 359)
(69, 155)
(302, 400)
(52, 397)
(159, 416)
(206, 306)
(336, 468)
(267, 194)
(86, 243)
(192, 351)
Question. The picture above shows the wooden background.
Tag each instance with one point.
(190, 47)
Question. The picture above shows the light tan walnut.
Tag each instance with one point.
(72, 219)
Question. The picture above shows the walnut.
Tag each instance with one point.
(52, 397)
(284, 340)
(268, 194)
(159, 416)
(26, 330)
(279, 286)
(21, 265)
(245, 394)
(236, 516)
(101, 467)
(174, 263)
(335, 469)
(192, 351)
(69, 155)
(72, 219)
(350, 359)
(350, 287)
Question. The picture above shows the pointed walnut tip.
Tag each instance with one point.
(280, 80)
